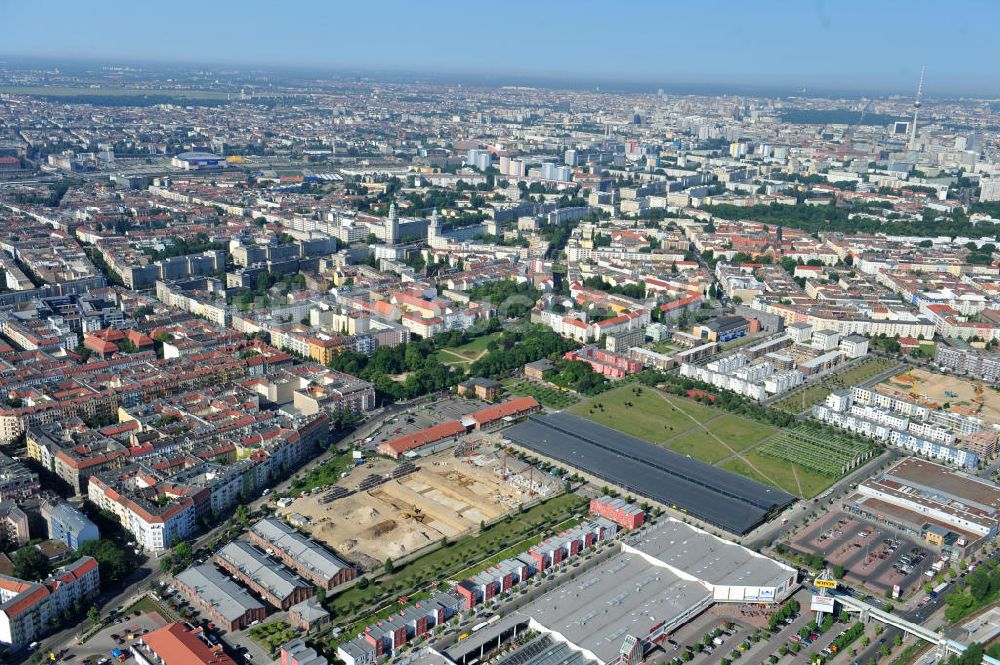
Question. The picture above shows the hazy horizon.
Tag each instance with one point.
(775, 46)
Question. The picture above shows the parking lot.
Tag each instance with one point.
(423, 416)
(872, 555)
(116, 636)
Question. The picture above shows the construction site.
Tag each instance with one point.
(387, 510)
(942, 391)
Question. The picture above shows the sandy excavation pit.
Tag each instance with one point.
(445, 497)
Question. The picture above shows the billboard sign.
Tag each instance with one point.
(821, 604)
(826, 584)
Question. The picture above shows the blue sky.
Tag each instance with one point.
(854, 45)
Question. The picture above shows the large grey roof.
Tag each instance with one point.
(709, 558)
(544, 650)
(306, 551)
(623, 595)
(264, 571)
(227, 597)
(711, 494)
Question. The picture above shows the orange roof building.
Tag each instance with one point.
(174, 644)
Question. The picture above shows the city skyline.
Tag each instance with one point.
(774, 48)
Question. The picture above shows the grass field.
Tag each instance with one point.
(783, 474)
(805, 398)
(664, 419)
(550, 397)
(699, 444)
(665, 347)
(864, 371)
(646, 415)
(465, 354)
(326, 473)
(445, 562)
(740, 433)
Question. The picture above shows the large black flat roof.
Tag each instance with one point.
(719, 497)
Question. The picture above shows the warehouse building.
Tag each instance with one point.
(726, 328)
(267, 578)
(218, 597)
(302, 554)
(664, 576)
(956, 511)
(195, 161)
(677, 482)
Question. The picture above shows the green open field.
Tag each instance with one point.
(740, 433)
(673, 422)
(465, 354)
(646, 415)
(803, 399)
(699, 444)
(546, 395)
(781, 472)
(864, 371)
(815, 393)
(326, 473)
(715, 437)
(445, 562)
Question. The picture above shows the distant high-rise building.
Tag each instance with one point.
(552, 171)
(570, 158)
(392, 226)
(481, 159)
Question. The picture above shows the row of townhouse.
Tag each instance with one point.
(881, 425)
(549, 553)
(866, 397)
(386, 637)
(29, 609)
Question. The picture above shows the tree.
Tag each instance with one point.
(112, 560)
(243, 515)
(181, 556)
(94, 614)
(30, 564)
(388, 566)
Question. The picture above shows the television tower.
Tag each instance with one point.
(912, 145)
